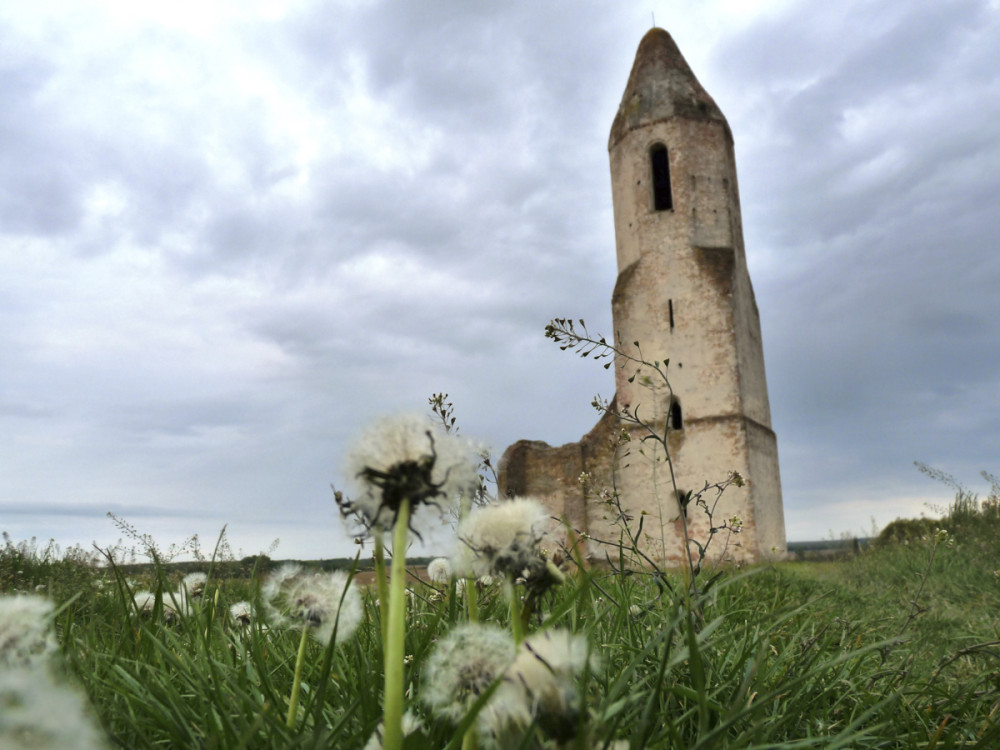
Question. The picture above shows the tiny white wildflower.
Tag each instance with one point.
(320, 601)
(25, 629)
(407, 457)
(635, 610)
(439, 570)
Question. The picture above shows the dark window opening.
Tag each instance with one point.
(670, 308)
(662, 199)
(676, 419)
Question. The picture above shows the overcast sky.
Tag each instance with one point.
(234, 233)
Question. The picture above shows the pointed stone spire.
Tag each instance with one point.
(661, 86)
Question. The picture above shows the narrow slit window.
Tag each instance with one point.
(670, 308)
(676, 418)
(660, 163)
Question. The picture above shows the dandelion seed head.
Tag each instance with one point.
(145, 603)
(439, 570)
(463, 665)
(178, 602)
(407, 457)
(242, 613)
(502, 539)
(321, 601)
(194, 585)
(411, 724)
(39, 713)
(542, 679)
(25, 629)
(272, 586)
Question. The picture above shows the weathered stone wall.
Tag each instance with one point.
(552, 474)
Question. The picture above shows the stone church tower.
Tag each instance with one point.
(683, 292)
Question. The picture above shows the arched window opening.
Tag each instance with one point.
(660, 164)
(676, 418)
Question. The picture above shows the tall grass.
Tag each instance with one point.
(897, 648)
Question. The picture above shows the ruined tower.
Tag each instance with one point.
(683, 292)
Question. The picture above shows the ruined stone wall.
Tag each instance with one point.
(533, 468)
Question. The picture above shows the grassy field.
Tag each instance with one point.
(896, 648)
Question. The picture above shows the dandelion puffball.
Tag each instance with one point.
(37, 711)
(439, 570)
(411, 724)
(409, 458)
(25, 629)
(542, 680)
(193, 585)
(242, 613)
(463, 665)
(320, 601)
(502, 539)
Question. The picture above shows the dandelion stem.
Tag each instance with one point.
(395, 643)
(472, 599)
(293, 700)
(471, 591)
(381, 583)
(516, 623)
